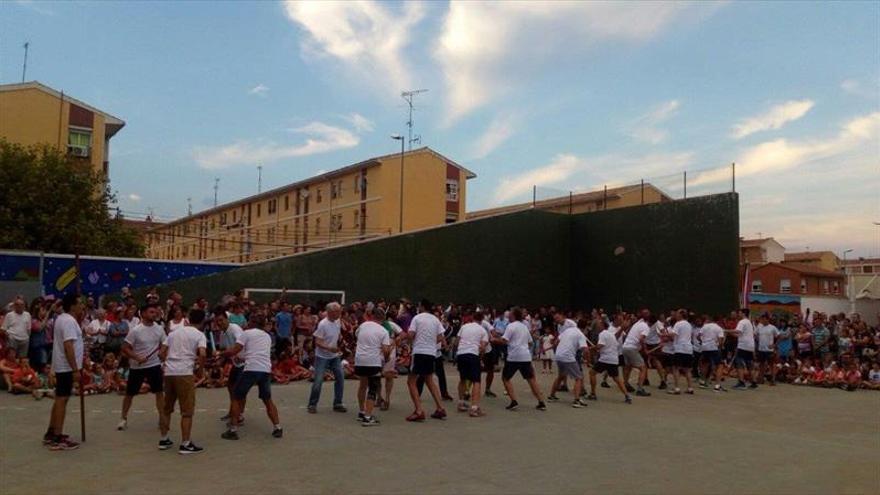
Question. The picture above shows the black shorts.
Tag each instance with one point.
(666, 359)
(683, 360)
(234, 375)
(248, 379)
(712, 357)
(469, 367)
(423, 364)
(620, 360)
(63, 383)
(490, 359)
(367, 371)
(611, 369)
(743, 359)
(512, 367)
(136, 377)
(765, 356)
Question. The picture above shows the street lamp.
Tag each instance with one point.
(850, 293)
(398, 137)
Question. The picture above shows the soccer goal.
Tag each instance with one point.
(310, 294)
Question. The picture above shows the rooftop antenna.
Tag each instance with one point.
(189, 206)
(259, 179)
(24, 65)
(216, 187)
(408, 96)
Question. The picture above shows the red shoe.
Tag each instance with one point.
(439, 414)
(416, 416)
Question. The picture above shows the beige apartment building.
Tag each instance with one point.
(349, 204)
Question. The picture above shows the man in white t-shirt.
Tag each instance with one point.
(568, 344)
(231, 333)
(633, 347)
(141, 347)
(426, 332)
(67, 360)
(608, 362)
(373, 347)
(518, 339)
(255, 345)
(184, 347)
(473, 339)
(745, 350)
(327, 356)
(767, 333)
(97, 331)
(17, 328)
(711, 338)
(683, 345)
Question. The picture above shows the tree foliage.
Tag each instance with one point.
(55, 203)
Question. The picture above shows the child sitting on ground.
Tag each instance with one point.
(289, 369)
(111, 375)
(8, 367)
(806, 373)
(24, 380)
(873, 381)
(853, 377)
(46, 383)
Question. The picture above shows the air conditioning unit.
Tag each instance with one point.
(82, 151)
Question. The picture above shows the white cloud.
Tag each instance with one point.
(360, 123)
(855, 87)
(134, 197)
(368, 36)
(322, 138)
(499, 131)
(773, 119)
(558, 170)
(647, 127)
(484, 46)
(38, 7)
(259, 90)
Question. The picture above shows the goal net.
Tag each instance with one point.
(307, 296)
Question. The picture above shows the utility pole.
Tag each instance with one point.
(24, 65)
(189, 206)
(216, 187)
(408, 96)
(259, 179)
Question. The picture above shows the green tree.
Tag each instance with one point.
(56, 203)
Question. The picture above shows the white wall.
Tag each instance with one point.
(869, 309)
(774, 252)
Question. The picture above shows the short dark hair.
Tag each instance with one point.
(219, 310)
(516, 313)
(378, 313)
(69, 301)
(149, 305)
(582, 323)
(196, 316)
(425, 303)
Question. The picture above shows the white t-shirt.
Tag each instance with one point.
(709, 335)
(695, 339)
(17, 326)
(183, 349)
(766, 337)
(66, 328)
(745, 333)
(560, 327)
(328, 332)
(97, 331)
(256, 349)
(653, 337)
(426, 328)
(488, 327)
(172, 326)
(634, 336)
(608, 352)
(569, 341)
(232, 333)
(620, 336)
(145, 339)
(683, 343)
(371, 336)
(470, 336)
(518, 340)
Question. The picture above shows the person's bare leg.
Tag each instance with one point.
(126, 406)
(578, 388)
(687, 377)
(362, 392)
(555, 386)
(160, 403)
(186, 424)
(620, 386)
(509, 388)
(536, 390)
(592, 382)
(56, 419)
(389, 384)
(490, 377)
(434, 389)
(414, 393)
(643, 375)
(475, 394)
(234, 412)
(462, 389)
(675, 372)
(271, 411)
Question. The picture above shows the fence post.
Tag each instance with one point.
(733, 175)
(685, 185)
(643, 191)
(570, 199)
(605, 198)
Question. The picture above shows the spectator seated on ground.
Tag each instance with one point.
(110, 368)
(873, 379)
(46, 383)
(8, 367)
(216, 375)
(24, 379)
(289, 369)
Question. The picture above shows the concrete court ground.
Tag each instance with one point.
(773, 440)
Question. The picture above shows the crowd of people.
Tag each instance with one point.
(57, 348)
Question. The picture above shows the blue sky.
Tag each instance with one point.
(566, 96)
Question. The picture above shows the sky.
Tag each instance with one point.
(563, 96)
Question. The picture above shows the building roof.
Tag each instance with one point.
(861, 261)
(808, 255)
(370, 162)
(111, 123)
(802, 269)
(561, 201)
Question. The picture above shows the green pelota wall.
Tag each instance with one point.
(678, 253)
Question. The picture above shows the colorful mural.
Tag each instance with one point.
(100, 275)
(778, 304)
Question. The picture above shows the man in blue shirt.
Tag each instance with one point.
(283, 326)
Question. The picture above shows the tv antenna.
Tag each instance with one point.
(408, 96)
(216, 187)
(189, 206)
(259, 179)
(24, 65)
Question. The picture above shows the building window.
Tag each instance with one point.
(317, 225)
(78, 142)
(271, 234)
(222, 243)
(336, 222)
(357, 183)
(825, 287)
(835, 287)
(233, 216)
(318, 195)
(259, 209)
(756, 286)
(357, 218)
(785, 286)
(868, 269)
(803, 286)
(286, 202)
(273, 206)
(223, 218)
(451, 190)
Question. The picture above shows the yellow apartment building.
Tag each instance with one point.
(617, 197)
(349, 204)
(34, 114)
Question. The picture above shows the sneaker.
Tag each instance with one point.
(643, 393)
(753, 386)
(689, 391)
(703, 384)
(416, 417)
(541, 406)
(675, 391)
(739, 386)
(647, 383)
(462, 407)
(340, 408)
(361, 416)
(605, 385)
(63, 443)
(123, 425)
(277, 433)
(490, 393)
(629, 388)
(439, 414)
(225, 418)
(552, 398)
(370, 421)
(662, 386)
(577, 404)
(191, 448)
(48, 438)
(512, 406)
(476, 412)
(165, 444)
(227, 435)
(628, 400)
(312, 409)
(591, 397)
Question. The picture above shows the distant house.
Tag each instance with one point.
(796, 278)
(760, 251)
(826, 260)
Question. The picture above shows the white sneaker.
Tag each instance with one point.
(123, 425)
